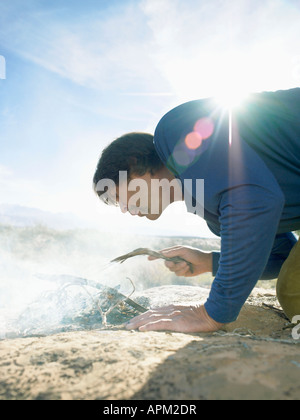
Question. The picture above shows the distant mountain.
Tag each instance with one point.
(16, 215)
(21, 216)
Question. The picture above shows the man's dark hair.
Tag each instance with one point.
(133, 152)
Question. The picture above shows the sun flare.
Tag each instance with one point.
(231, 98)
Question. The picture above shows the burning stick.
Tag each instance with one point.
(66, 281)
(146, 251)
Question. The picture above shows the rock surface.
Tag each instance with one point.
(253, 358)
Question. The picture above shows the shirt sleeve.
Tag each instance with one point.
(282, 247)
(249, 218)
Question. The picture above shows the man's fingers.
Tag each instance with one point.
(176, 266)
(180, 269)
(159, 325)
(175, 318)
(178, 251)
(167, 312)
(183, 272)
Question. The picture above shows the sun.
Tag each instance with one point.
(231, 98)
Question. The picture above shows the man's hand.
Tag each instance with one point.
(202, 261)
(184, 319)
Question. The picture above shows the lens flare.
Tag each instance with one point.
(193, 140)
(182, 155)
(232, 99)
(205, 127)
(191, 147)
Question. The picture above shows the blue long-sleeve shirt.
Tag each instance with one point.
(250, 164)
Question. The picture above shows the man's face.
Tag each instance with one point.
(138, 198)
(144, 195)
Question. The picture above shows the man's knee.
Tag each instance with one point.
(288, 284)
(289, 302)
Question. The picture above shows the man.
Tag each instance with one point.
(249, 160)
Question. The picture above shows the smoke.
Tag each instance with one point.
(50, 279)
(35, 297)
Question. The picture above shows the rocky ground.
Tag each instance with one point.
(253, 358)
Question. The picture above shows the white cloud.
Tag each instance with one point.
(101, 51)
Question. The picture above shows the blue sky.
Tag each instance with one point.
(80, 73)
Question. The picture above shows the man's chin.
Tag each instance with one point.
(152, 216)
